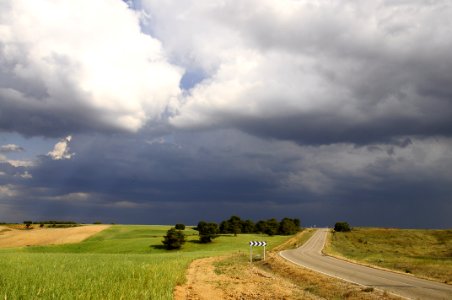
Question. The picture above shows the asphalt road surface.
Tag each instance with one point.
(310, 256)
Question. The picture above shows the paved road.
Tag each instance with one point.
(309, 255)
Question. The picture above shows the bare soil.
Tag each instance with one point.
(234, 278)
(14, 237)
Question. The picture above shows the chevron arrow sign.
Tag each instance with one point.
(258, 243)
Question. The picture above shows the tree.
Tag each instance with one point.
(224, 227)
(233, 225)
(236, 225)
(207, 231)
(174, 239)
(288, 226)
(272, 227)
(341, 227)
(248, 226)
(180, 226)
(261, 226)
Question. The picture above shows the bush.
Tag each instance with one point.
(28, 224)
(341, 227)
(180, 226)
(174, 239)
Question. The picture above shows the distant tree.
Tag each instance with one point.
(236, 225)
(272, 227)
(232, 225)
(261, 227)
(174, 239)
(207, 231)
(28, 224)
(180, 226)
(288, 226)
(248, 226)
(224, 227)
(341, 227)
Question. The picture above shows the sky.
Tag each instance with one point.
(162, 112)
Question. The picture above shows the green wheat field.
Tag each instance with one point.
(121, 262)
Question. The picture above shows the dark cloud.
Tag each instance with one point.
(328, 129)
(314, 73)
(211, 175)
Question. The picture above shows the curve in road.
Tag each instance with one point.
(310, 256)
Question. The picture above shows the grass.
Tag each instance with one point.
(90, 276)
(122, 262)
(424, 253)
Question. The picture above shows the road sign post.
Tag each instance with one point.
(256, 244)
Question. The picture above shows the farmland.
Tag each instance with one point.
(121, 262)
(423, 253)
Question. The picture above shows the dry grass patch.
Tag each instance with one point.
(424, 253)
(10, 237)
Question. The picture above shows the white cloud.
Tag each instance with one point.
(83, 64)
(16, 162)
(10, 148)
(26, 175)
(8, 190)
(72, 197)
(21, 163)
(61, 150)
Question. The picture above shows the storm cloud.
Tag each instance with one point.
(190, 176)
(163, 112)
(313, 71)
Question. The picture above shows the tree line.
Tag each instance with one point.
(208, 231)
(235, 225)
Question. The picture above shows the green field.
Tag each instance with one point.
(424, 253)
(122, 262)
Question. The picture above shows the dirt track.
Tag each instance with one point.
(222, 278)
(10, 237)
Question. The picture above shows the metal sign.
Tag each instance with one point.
(256, 244)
